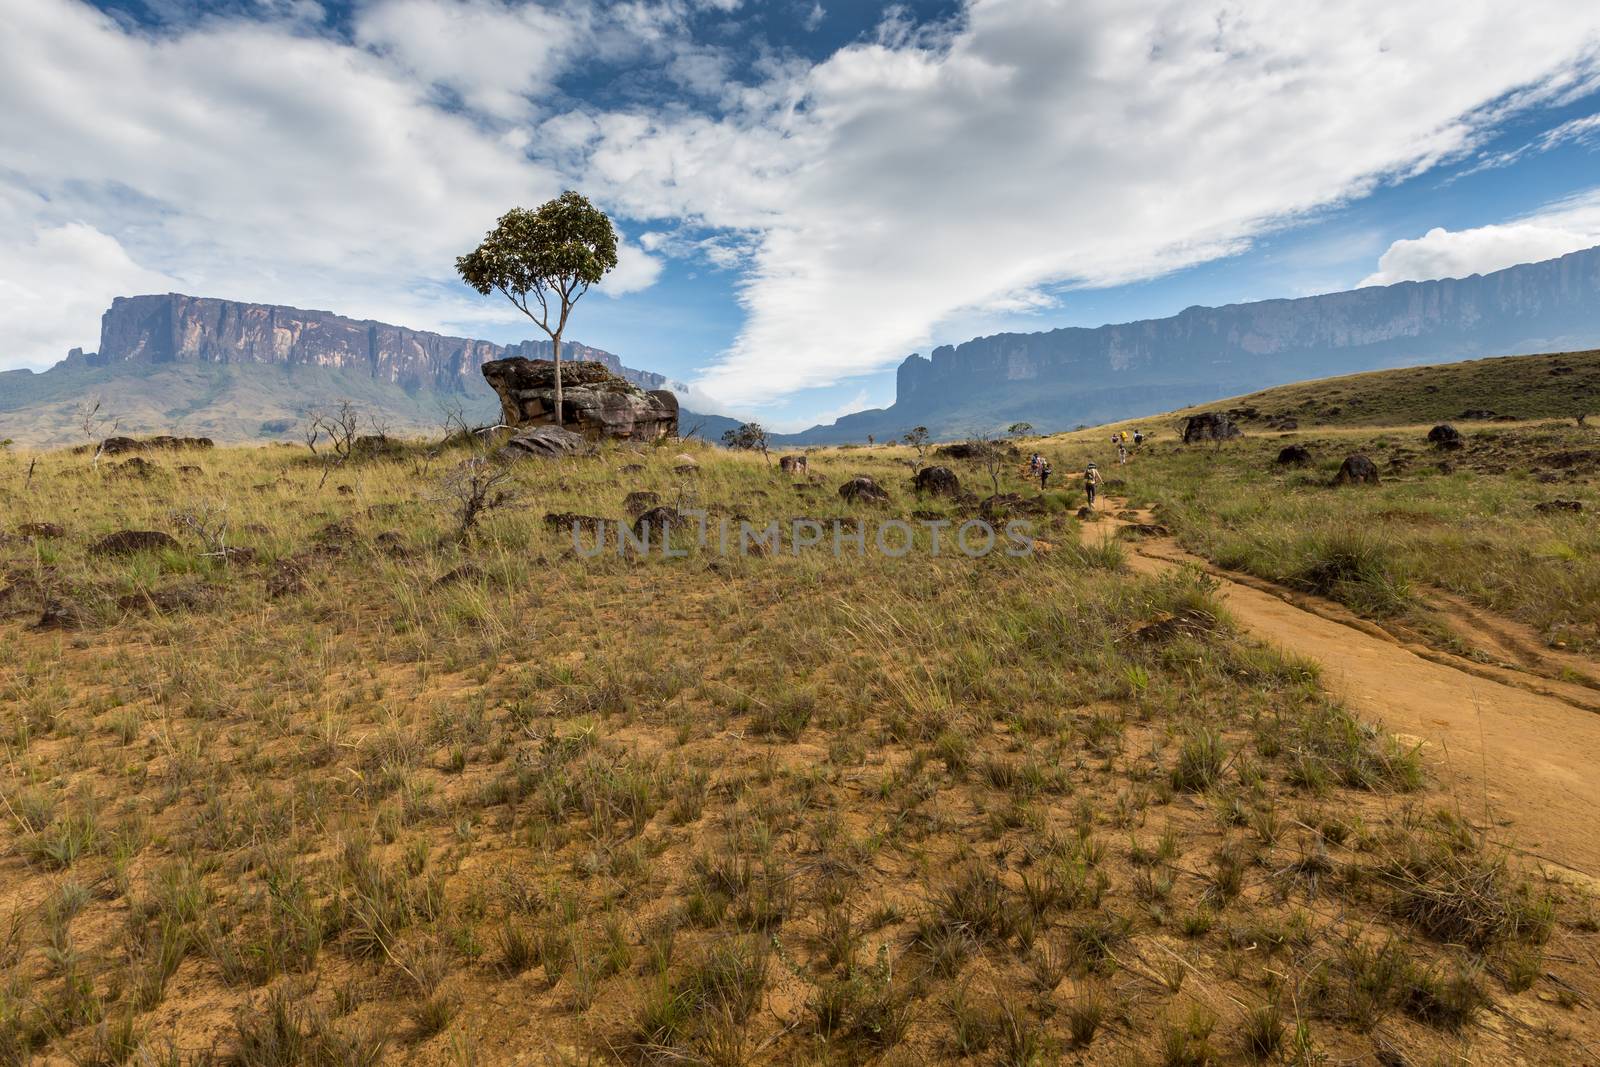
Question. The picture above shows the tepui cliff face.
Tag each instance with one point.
(173, 328)
(1061, 377)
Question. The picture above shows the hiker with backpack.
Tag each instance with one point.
(1044, 472)
(1091, 482)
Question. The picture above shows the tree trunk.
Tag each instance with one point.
(555, 351)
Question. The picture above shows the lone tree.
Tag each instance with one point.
(749, 436)
(538, 257)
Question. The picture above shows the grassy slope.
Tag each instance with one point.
(1471, 531)
(222, 401)
(476, 800)
(1559, 385)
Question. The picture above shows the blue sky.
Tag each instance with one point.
(808, 191)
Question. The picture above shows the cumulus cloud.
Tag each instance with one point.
(1031, 143)
(495, 56)
(925, 175)
(1566, 226)
(60, 278)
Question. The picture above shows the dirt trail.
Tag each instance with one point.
(1524, 764)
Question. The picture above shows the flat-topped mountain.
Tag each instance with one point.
(1065, 377)
(238, 371)
(173, 328)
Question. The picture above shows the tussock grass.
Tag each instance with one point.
(390, 793)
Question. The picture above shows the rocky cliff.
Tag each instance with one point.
(1069, 376)
(174, 328)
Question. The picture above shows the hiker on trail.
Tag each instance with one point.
(1044, 472)
(1122, 453)
(1138, 438)
(1091, 482)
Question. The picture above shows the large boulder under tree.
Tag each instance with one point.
(595, 402)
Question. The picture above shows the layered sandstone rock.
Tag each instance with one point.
(174, 328)
(595, 402)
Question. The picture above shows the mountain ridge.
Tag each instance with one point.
(240, 371)
(1086, 375)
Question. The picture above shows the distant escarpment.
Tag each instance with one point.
(1069, 376)
(174, 328)
(235, 371)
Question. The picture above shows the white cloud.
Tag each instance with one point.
(1566, 226)
(1031, 143)
(931, 175)
(59, 279)
(494, 55)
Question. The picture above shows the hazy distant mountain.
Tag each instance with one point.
(238, 371)
(1067, 377)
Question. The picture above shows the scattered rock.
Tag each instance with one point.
(1357, 470)
(467, 572)
(185, 596)
(1208, 426)
(119, 446)
(1003, 504)
(568, 521)
(40, 531)
(940, 481)
(546, 442)
(975, 450)
(392, 544)
(128, 542)
(631, 468)
(1446, 437)
(640, 501)
(1552, 507)
(655, 523)
(1144, 529)
(344, 490)
(1088, 514)
(335, 538)
(287, 578)
(371, 446)
(174, 443)
(135, 466)
(1444, 466)
(189, 470)
(863, 490)
(1478, 414)
(1294, 456)
(59, 615)
(923, 515)
(683, 463)
(1192, 623)
(793, 464)
(1283, 423)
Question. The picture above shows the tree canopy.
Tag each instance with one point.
(561, 248)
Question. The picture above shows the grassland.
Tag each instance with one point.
(1561, 385)
(368, 791)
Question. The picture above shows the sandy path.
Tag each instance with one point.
(1524, 764)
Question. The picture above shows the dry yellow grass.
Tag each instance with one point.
(491, 802)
